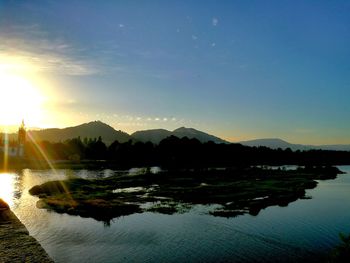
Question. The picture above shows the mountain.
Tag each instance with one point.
(157, 135)
(336, 147)
(199, 135)
(109, 134)
(87, 130)
(275, 143)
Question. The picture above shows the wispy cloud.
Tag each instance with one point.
(46, 63)
(215, 21)
(131, 123)
(28, 48)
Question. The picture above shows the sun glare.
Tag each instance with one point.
(7, 186)
(19, 99)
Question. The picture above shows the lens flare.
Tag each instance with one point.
(6, 151)
(48, 161)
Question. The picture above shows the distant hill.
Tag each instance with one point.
(87, 130)
(336, 147)
(157, 135)
(109, 134)
(275, 143)
(199, 135)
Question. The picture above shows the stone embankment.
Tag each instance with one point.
(16, 245)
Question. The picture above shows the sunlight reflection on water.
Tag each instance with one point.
(7, 187)
(301, 231)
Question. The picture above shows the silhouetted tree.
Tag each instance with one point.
(76, 147)
(173, 152)
(96, 149)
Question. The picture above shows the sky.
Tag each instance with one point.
(237, 69)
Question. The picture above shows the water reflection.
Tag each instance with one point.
(303, 231)
(7, 187)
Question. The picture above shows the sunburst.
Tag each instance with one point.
(7, 187)
(20, 99)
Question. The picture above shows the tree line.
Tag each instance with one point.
(175, 152)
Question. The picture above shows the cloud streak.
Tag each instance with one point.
(27, 48)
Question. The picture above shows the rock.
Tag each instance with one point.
(3, 205)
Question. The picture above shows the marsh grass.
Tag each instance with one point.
(236, 191)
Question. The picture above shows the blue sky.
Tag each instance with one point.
(238, 69)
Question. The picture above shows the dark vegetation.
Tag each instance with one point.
(173, 152)
(235, 190)
(341, 253)
(188, 176)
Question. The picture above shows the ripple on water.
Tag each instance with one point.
(302, 230)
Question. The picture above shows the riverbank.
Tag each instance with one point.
(236, 191)
(16, 245)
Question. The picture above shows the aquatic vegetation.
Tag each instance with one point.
(236, 190)
(341, 253)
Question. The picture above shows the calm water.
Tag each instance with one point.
(304, 230)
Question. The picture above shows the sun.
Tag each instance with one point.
(19, 99)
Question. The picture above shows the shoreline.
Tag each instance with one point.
(17, 164)
(16, 245)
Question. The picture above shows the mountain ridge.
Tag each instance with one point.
(92, 129)
(156, 135)
(95, 129)
(275, 143)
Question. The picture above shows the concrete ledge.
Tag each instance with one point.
(16, 245)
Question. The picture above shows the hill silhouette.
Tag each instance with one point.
(93, 129)
(196, 134)
(275, 143)
(154, 135)
(157, 135)
(108, 135)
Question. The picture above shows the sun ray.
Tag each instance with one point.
(23, 92)
(48, 161)
(6, 150)
(42, 152)
(20, 100)
(7, 187)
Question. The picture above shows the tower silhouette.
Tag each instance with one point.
(22, 133)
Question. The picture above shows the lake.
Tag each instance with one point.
(304, 230)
